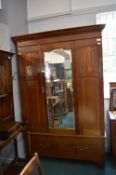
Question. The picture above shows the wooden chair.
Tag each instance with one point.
(33, 167)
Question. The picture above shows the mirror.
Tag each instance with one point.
(59, 88)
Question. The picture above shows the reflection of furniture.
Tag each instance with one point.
(86, 140)
(112, 115)
(49, 88)
(32, 167)
(56, 92)
(60, 89)
(53, 101)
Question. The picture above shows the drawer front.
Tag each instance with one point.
(76, 147)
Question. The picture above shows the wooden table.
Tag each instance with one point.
(14, 128)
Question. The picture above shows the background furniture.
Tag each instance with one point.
(113, 96)
(86, 140)
(112, 116)
(6, 96)
(9, 129)
(113, 136)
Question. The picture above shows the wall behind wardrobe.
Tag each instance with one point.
(44, 15)
(4, 29)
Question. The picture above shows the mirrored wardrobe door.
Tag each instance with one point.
(59, 87)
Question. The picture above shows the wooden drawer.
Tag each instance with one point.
(73, 147)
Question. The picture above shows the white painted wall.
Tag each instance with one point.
(85, 4)
(0, 4)
(43, 16)
(61, 22)
(45, 7)
(38, 8)
(4, 37)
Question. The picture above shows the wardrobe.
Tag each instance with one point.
(43, 108)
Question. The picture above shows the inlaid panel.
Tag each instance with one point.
(32, 90)
(89, 57)
(89, 106)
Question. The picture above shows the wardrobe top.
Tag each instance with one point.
(61, 32)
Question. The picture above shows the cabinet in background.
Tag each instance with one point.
(112, 116)
(9, 129)
(82, 48)
(6, 94)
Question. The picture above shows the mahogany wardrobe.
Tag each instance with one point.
(61, 87)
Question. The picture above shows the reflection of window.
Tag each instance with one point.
(109, 48)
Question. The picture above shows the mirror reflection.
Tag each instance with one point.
(59, 89)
